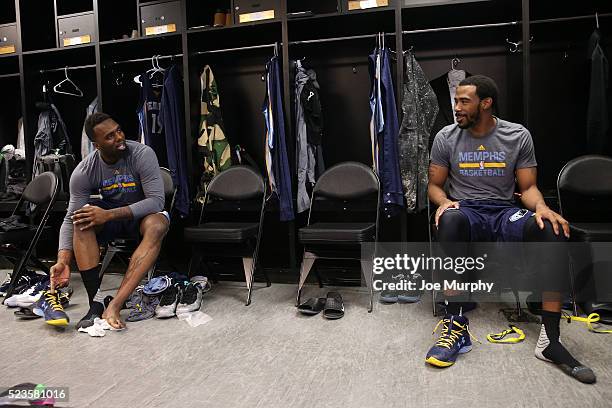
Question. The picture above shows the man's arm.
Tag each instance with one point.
(532, 198)
(147, 167)
(435, 190)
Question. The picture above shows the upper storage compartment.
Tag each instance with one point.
(160, 18)
(248, 11)
(306, 8)
(117, 19)
(65, 7)
(208, 14)
(37, 24)
(7, 12)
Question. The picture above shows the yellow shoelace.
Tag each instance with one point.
(447, 340)
(53, 300)
(589, 320)
(500, 337)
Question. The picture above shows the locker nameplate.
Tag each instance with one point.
(260, 15)
(162, 29)
(366, 4)
(83, 39)
(7, 49)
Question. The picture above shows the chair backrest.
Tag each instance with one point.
(167, 180)
(587, 175)
(237, 183)
(584, 189)
(346, 181)
(42, 189)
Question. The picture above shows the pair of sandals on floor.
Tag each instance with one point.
(332, 306)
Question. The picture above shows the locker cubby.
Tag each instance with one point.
(305, 8)
(117, 19)
(65, 7)
(7, 12)
(37, 24)
(201, 14)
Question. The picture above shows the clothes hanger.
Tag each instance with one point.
(454, 62)
(76, 92)
(597, 20)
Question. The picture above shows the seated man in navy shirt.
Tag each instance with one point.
(484, 158)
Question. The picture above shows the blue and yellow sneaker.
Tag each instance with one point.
(454, 340)
(50, 306)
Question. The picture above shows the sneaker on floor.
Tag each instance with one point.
(168, 302)
(454, 340)
(388, 296)
(4, 285)
(50, 306)
(26, 280)
(191, 299)
(30, 296)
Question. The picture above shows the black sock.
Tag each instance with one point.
(91, 280)
(555, 350)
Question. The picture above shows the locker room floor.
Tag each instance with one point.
(267, 355)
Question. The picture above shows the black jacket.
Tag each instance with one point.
(445, 112)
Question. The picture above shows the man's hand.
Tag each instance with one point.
(446, 205)
(544, 213)
(60, 276)
(89, 216)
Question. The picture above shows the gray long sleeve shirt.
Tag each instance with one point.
(134, 181)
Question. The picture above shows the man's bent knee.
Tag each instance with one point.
(154, 226)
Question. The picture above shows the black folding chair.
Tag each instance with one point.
(584, 190)
(42, 191)
(241, 191)
(121, 245)
(341, 185)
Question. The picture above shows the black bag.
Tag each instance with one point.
(13, 178)
(62, 165)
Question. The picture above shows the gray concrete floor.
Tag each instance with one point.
(267, 355)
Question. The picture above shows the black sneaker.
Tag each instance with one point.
(168, 302)
(191, 299)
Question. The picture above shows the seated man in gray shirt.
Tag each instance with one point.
(484, 158)
(126, 175)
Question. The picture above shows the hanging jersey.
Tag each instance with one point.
(151, 130)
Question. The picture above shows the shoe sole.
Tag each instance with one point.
(439, 363)
(57, 322)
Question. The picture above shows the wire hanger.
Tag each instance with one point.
(76, 92)
(454, 63)
(597, 20)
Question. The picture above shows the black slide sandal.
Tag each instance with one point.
(26, 313)
(334, 307)
(312, 306)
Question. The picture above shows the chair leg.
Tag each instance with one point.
(368, 277)
(249, 273)
(268, 281)
(572, 287)
(151, 271)
(108, 257)
(16, 274)
(194, 263)
(318, 275)
(307, 261)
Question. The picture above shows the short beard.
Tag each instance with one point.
(471, 122)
